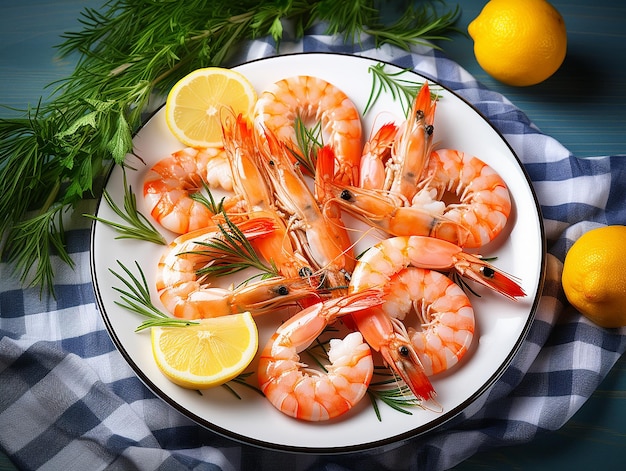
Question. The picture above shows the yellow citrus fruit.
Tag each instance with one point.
(594, 275)
(194, 104)
(206, 354)
(517, 42)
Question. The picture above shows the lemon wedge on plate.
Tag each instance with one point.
(194, 104)
(206, 354)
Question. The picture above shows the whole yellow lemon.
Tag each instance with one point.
(594, 275)
(517, 42)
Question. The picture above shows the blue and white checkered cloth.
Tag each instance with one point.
(68, 400)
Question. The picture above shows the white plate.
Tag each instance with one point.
(501, 324)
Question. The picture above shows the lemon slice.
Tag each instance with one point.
(207, 354)
(194, 104)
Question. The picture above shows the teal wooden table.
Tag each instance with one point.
(582, 106)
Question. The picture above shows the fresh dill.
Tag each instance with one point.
(137, 225)
(129, 52)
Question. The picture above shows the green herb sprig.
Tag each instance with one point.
(231, 252)
(137, 225)
(242, 380)
(136, 298)
(392, 392)
(129, 52)
(308, 140)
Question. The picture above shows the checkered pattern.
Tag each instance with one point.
(68, 400)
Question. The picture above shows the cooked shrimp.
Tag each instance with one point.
(324, 176)
(381, 262)
(313, 100)
(376, 153)
(321, 239)
(184, 293)
(196, 300)
(169, 184)
(445, 316)
(412, 147)
(484, 202)
(381, 210)
(250, 183)
(308, 394)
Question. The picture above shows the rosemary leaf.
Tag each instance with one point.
(392, 83)
(309, 141)
(139, 227)
(242, 380)
(232, 252)
(136, 298)
(208, 201)
(394, 393)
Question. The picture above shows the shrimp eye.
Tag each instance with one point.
(345, 195)
(404, 351)
(271, 162)
(282, 290)
(487, 272)
(305, 272)
(429, 129)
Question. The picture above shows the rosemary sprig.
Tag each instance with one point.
(242, 380)
(399, 397)
(136, 298)
(384, 82)
(130, 51)
(138, 226)
(231, 253)
(209, 200)
(309, 140)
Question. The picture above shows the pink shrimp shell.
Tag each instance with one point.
(310, 395)
(313, 99)
(485, 202)
(445, 315)
(169, 183)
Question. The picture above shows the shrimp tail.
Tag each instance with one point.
(478, 270)
(386, 134)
